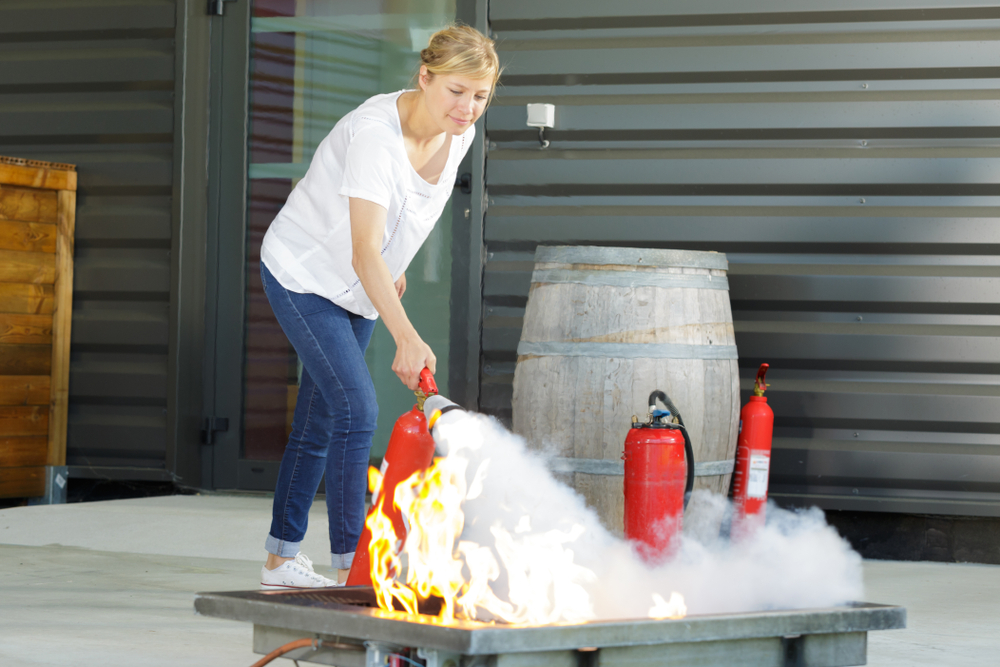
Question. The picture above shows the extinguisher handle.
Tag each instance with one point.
(427, 383)
(759, 385)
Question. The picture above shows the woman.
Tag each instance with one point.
(333, 260)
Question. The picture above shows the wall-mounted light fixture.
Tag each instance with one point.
(542, 116)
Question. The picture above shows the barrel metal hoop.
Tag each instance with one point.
(631, 256)
(631, 279)
(617, 468)
(626, 350)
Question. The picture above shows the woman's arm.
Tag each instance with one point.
(367, 228)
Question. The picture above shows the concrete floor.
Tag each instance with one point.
(111, 583)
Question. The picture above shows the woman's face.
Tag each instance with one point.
(454, 102)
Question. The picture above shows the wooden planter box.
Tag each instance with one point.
(37, 217)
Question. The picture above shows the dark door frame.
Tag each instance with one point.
(186, 370)
(468, 250)
(225, 283)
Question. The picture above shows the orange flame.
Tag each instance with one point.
(374, 482)
(432, 502)
(383, 550)
(673, 608)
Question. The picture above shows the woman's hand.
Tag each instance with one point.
(400, 286)
(412, 355)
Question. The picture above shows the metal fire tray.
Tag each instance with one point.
(363, 635)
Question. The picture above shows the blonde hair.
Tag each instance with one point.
(461, 50)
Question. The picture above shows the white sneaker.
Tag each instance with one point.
(296, 573)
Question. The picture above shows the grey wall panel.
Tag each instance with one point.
(880, 409)
(125, 436)
(848, 88)
(868, 288)
(70, 63)
(137, 167)
(746, 225)
(131, 324)
(92, 83)
(647, 10)
(144, 112)
(560, 171)
(683, 117)
(123, 270)
(779, 61)
(115, 220)
(107, 381)
(847, 162)
(26, 20)
(749, 33)
(975, 350)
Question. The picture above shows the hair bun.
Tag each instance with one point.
(461, 50)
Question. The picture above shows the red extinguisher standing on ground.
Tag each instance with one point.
(659, 476)
(753, 460)
(411, 448)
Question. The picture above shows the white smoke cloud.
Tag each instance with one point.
(795, 561)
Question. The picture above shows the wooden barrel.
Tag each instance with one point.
(603, 328)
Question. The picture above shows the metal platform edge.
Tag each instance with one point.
(473, 638)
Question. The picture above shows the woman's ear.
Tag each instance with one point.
(424, 78)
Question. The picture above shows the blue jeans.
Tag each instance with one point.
(335, 417)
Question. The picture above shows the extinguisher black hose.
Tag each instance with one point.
(689, 453)
(688, 449)
(657, 394)
(667, 402)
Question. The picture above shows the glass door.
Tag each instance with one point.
(309, 63)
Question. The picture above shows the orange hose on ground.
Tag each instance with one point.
(303, 643)
(282, 650)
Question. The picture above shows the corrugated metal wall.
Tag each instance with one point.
(92, 83)
(847, 161)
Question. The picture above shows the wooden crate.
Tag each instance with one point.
(37, 218)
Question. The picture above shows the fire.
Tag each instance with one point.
(544, 584)
(674, 608)
(384, 550)
(432, 502)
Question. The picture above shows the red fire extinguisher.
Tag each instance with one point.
(411, 448)
(659, 476)
(753, 459)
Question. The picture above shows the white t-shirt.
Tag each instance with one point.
(308, 245)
